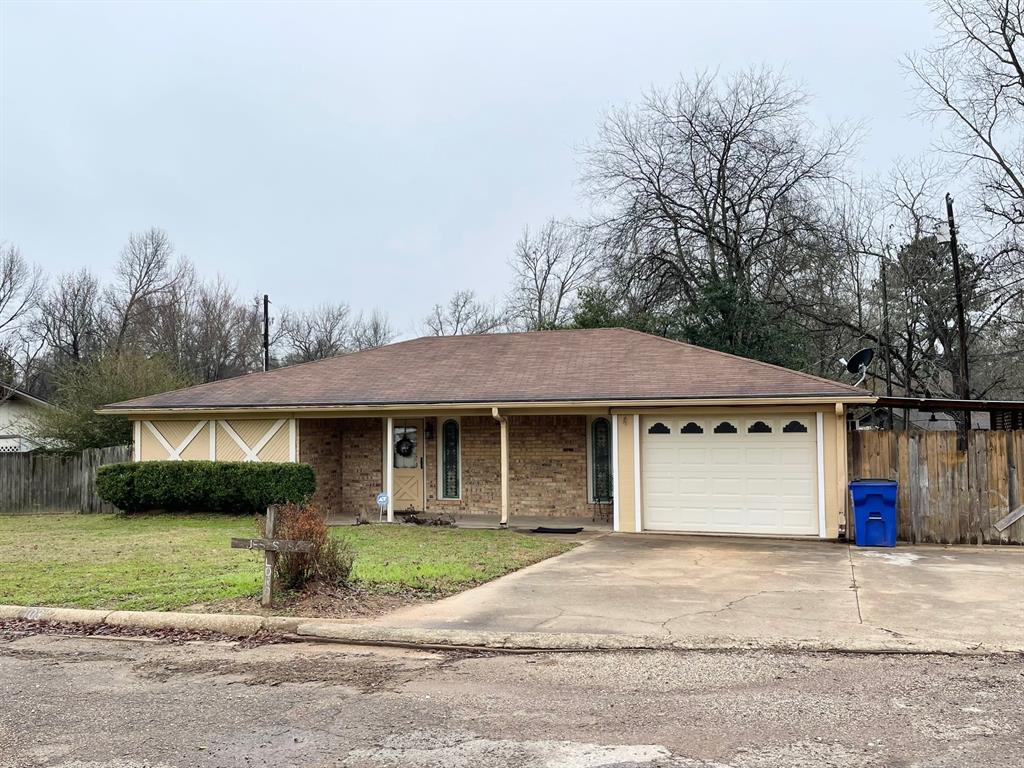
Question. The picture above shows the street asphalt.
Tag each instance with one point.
(72, 702)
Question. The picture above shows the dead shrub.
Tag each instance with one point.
(330, 560)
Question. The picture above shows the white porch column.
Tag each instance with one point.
(389, 431)
(637, 498)
(820, 445)
(615, 471)
(503, 422)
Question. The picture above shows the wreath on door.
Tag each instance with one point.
(404, 447)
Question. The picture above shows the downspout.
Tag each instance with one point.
(503, 422)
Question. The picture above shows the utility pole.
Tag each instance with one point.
(963, 424)
(885, 335)
(266, 332)
(961, 321)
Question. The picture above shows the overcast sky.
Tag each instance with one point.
(384, 155)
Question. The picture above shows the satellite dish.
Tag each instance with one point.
(859, 363)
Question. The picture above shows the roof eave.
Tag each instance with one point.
(355, 408)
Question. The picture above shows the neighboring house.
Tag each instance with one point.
(668, 436)
(16, 411)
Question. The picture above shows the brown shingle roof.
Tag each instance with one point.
(582, 365)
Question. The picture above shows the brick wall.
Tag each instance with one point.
(362, 456)
(346, 457)
(320, 442)
(481, 468)
(547, 465)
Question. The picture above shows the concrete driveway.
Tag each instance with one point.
(751, 590)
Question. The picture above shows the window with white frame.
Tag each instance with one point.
(449, 460)
(599, 450)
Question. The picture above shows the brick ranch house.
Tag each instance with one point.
(648, 433)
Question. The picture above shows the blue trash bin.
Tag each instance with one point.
(874, 512)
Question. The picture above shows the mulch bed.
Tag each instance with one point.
(14, 629)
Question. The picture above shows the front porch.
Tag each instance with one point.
(486, 470)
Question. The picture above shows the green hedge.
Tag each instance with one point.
(208, 486)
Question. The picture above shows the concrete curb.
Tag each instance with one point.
(362, 634)
(236, 625)
(65, 615)
(338, 631)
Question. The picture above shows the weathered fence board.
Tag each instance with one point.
(34, 483)
(947, 496)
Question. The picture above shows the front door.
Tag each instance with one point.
(407, 462)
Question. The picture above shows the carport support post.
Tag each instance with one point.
(503, 422)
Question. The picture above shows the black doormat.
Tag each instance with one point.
(545, 529)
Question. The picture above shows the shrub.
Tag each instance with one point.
(208, 486)
(330, 560)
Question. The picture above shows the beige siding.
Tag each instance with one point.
(277, 449)
(199, 448)
(176, 432)
(227, 448)
(150, 447)
(834, 440)
(252, 431)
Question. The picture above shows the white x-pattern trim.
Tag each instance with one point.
(174, 454)
(253, 453)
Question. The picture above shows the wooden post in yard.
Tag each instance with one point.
(271, 547)
(269, 561)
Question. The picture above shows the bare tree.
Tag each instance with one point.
(227, 333)
(975, 80)
(21, 286)
(886, 231)
(712, 192)
(550, 268)
(315, 334)
(370, 331)
(144, 277)
(464, 314)
(69, 317)
(165, 320)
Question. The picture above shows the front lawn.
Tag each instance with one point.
(165, 562)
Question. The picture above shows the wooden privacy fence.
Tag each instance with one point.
(31, 482)
(947, 496)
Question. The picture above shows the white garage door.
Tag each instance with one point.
(728, 474)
